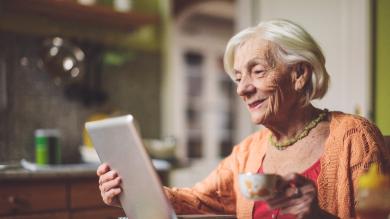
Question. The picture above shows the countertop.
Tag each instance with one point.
(28, 170)
(58, 172)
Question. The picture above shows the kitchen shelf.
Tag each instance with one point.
(93, 24)
(70, 11)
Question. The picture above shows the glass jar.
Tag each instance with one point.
(373, 195)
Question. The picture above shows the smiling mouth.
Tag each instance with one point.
(256, 104)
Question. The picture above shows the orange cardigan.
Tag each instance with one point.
(353, 144)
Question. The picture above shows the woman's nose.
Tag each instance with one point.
(245, 88)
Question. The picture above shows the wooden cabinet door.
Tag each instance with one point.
(103, 213)
(56, 215)
(85, 194)
(30, 197)
(86, 202)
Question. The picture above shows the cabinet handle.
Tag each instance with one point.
(16, 202)
(12, 199)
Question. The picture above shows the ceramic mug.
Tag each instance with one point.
(255, 186)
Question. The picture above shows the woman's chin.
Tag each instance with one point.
(258, 118)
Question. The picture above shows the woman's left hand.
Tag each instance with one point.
(298, 196)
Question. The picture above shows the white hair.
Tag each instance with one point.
(290, 45)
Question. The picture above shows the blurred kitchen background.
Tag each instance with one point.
(65, 62)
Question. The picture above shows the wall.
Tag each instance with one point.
(34, 101)
(382, 89)
(342, 29)
(134, 88)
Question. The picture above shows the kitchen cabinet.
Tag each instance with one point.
(30, 195)
(54, 198)
(56, 215)
(62, 193)
(17, 197)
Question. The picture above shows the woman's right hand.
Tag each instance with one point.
(109, 185)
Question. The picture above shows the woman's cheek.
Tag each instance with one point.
(275, 99)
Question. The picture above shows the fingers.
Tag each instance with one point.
(110, 189)
(296, 206)
(296, 179)
(110, 175)
(292, 180)
(110, 184)
(110, 197)
(102, 169)
(297, 196)
(292, 196)
(300, 209)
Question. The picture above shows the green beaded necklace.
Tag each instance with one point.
(308, 127)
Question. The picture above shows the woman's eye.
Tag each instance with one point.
(259, 73)
(237, 80)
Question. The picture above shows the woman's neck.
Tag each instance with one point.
(289, 124)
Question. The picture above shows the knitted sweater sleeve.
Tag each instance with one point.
(215, 194)
(365, 145)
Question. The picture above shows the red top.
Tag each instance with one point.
(261, 210)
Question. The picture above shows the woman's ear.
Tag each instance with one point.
(301, 74)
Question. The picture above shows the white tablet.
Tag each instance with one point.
(118, 143)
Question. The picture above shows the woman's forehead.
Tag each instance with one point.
(255, 44)
(251, 49)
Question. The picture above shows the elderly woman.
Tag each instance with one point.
(279, 69)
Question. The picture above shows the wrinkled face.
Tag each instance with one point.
(266, 86)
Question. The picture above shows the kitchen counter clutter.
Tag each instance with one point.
(70, 191)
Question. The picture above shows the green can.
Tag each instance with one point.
(47, 147)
